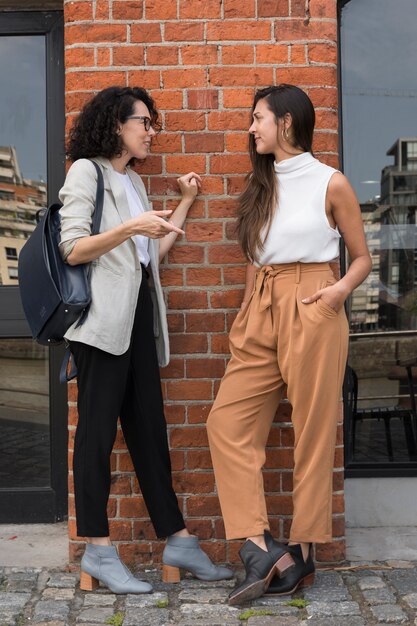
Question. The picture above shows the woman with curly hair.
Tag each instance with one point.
(124, 338)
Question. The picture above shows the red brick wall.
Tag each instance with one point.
(201, 60)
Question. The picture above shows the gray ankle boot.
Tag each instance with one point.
(102, 563)
(185, 553)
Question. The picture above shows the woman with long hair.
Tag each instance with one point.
(291, 334)
(124, 338)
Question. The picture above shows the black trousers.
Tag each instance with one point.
(128, 386)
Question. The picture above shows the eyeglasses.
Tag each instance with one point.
(147, 122)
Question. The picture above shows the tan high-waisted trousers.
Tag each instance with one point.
(278, 342)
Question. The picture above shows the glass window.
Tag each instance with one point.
(22, 143)
(24, 414)
(379, 104)
(11, 254)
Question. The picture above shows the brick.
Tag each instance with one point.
(273, 8)
(120, 484)
(132, 507)
(167, 99)
(205, 368)
(102, 10)
(163, 185)
(203, 99)
(228, 120)
(322, 53)
(226, 207)
(323, 8)
(220, 344)
(238, 98)
(238, 55)
(199, 55)
(189, 390)
(128, 55)
(223, 164)
(226, 299)
(93, 80)
(225, 254)
(120, 530)
(184, 31)
(256, 76)
(149, 79)
(174, 413)
(200, 459)
(199, 9)
(194, 482)
(177, 460)
(78, 11)
(331, 552)
(145, 33)
(124, 462)
(202, 528)
(237, 142)
(204, 322)
(74, 103)
(235, 275)
(127, 10)
(204, 142)
(298, 54)
(238, 31)
(184, 78)
(162, 55)
(313, 75)
(327, 119)
(239, 8)
(297, 30)
(175, 324)
(272, 53)
(160, 10)
(171, 277)
(187, 299)
(167, 143)
(182, 164)
(213, 185)
(204, 231)
(188, 437)
(188, 344)
(203, 276)
(298, 8)
(200, 506)
(143, 530)
(186, 254)
(95, 33)
(323, 96)
(185, 120)
(103, 57)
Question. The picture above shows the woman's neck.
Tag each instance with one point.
(119, 163)
(282, 154)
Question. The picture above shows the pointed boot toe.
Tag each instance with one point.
(185, 553)
(102, 564)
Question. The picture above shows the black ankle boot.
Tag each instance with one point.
(260, 567)
(302, 575)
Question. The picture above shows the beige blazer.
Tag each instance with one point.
(115, 276)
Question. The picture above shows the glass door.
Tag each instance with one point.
(378, 49)
(33, 430)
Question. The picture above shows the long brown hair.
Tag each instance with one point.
(260, 196)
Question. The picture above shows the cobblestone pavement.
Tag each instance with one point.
(374, 594)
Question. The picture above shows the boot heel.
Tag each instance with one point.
(170, 574)
(307, 580)
(283, 564)
(87, 582)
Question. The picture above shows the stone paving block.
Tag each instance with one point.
(229, 621)
(337, 621)
(10, 601)
(411, 599)
(379, 596)
(335, 594)
(67, 581)
(52, 593)
(50, 610)
(54, 623)
(207, 611)
(333, 609)
(371, 582)
(8, 618)
(401, 564)
(404, 580)
(389, 614)
(326, 579)
(95, 615)
(99, 599)
(21, 582)
(147, 617)
(191, 583)
(275, 609)
(272, 621)
(204, 596)
(152, 600)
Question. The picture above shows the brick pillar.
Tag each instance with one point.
(202, 60)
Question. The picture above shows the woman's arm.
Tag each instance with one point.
(347, 215)
(189, 186)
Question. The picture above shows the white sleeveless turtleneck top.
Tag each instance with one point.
(300, 230)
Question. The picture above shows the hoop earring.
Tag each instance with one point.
(284, 134)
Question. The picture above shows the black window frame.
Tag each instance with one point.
(359, 470)
(49, 504)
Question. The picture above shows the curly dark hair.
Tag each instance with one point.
(94, 132)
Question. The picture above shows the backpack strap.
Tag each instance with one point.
(64, 375)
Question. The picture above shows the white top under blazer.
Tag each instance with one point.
(300, 230)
